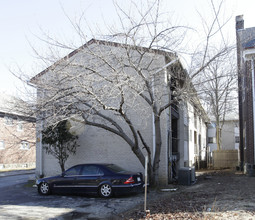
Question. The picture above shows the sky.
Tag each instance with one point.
(24, 22)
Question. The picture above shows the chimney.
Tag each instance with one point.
(239, 22)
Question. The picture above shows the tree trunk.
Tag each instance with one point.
(157, 150)
(218, 134)
(62, 165)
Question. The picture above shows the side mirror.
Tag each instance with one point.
(63, 174)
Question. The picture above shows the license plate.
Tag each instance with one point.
(138, 179)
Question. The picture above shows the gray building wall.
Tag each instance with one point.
(100, 146)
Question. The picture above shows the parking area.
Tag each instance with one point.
(19, 200)
(68, 207)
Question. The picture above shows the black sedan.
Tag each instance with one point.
(104, 179)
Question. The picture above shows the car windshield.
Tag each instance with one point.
(115, 168)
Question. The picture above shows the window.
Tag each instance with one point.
(74, 171)
(195, 120)
(190, 135)
(115, 168)
(211, 140)
(91, 170)
(20, 126)
(195, 137)
(2, 145)
(8, 120)
(200, 124)
(24, 145)
(195, 142)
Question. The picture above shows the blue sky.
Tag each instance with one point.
(22, 20)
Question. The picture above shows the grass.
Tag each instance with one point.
(30, 183)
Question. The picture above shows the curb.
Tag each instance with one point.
(15, 173)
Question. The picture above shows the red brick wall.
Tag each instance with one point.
(13, 137)
(248, 117)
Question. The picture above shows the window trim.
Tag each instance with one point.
(22, 126)
(8, 121)
(27, 147)
(2, 147)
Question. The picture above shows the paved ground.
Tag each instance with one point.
(20, 201)
(216, 195)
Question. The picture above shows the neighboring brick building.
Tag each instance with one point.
(17, 136)
(245, 58)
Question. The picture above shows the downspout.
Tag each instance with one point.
(153, 118)
(153, 137)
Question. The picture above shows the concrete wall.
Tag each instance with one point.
(225, 159)
(194, 132)
(229, 133)
(101, 146)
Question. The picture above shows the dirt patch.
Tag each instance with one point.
(216, 195)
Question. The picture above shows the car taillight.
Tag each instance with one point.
(129, 180)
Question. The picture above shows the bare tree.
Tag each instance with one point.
(104, 84)
(218, 90)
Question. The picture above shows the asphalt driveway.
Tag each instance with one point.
(19, 200)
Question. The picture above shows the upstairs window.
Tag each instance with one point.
(8, 120)
(190, 135)
(195, 120)
(2, 146)
(20, 126)
(211, 140)
(24, 145)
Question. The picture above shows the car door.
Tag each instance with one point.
(89, 179)
(66, 182)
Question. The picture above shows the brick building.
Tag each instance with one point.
(245, 59)
(17, 136)
(182, 126)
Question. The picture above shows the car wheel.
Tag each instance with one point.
(105, 190)
(44, 188)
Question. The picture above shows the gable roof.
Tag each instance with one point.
(103, 42)
(250, 44)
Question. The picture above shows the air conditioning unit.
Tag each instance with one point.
(186, 176)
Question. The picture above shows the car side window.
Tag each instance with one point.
(74, 171)
(91, 170)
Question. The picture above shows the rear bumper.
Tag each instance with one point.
(129, 188)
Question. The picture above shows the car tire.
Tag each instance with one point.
(44, 188)
(105, 190)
